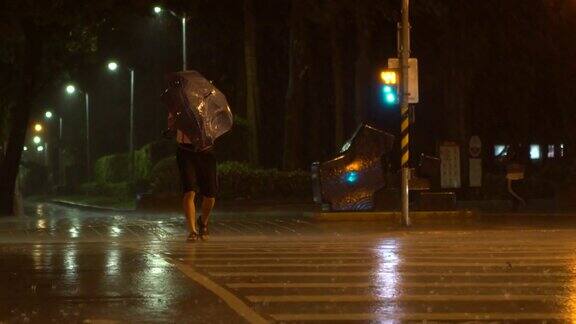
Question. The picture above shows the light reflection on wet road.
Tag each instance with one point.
(62, 264)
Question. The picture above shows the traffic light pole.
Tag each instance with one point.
(404, 55)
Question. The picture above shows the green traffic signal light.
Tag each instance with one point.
(389, 94)
(389, 79)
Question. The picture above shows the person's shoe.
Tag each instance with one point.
(193, 237)
(202, 228)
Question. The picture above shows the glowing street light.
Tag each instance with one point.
(40, 148)
(112, 66)
(158, 10)
(36, 140)
(48, 114)
(25, 148)
(70, 89)
(38, 127)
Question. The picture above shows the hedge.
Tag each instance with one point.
(239, 180)
(115, 168)
(149, 155)
(112, 168)
(119, 189)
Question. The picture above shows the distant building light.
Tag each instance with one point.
(25, 148)
(535, 152)
(500, 151)
(551, 151)
(562, 152)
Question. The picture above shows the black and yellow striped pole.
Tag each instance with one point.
(404, 55)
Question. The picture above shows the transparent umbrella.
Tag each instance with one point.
(201, 110)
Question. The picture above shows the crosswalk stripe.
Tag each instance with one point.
(376, 263)
(411, 258)
(402, 297)
(239, 285)
(419, 316)
(405, 274)
(310, 253)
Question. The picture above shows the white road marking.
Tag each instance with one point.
(372, 298)
(370, 284)
(234, 302)
(419, 316)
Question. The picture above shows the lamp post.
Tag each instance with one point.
(70, 89)
(158, 10)
(113, 66)
(49, 115)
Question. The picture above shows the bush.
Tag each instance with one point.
(149, 155)
(112, 168)
(119, 189)
(239, 180)
(165, 176)
(116, 167)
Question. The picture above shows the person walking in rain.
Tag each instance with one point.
(198, 175)
(198, 114)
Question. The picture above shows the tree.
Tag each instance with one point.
(38, 38)
(296, 88)
(338, 75)
(252, 88)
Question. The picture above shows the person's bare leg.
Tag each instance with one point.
(190, 210)
(207, 205)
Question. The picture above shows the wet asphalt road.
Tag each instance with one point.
(68, 266)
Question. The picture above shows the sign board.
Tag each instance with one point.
(394, 63)
(475, 147)
(450, 166)
(475, 166)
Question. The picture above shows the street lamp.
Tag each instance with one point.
(40, 148)
(38, 127)
(49, 115)
(158, 10)
(113, 66)
(36, 140)
(71, 89)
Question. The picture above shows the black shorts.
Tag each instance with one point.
(197, 171)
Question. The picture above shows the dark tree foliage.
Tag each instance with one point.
(39, 41)
(303, 73)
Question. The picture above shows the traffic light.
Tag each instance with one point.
(389, 88)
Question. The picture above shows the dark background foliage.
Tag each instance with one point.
(503, 70)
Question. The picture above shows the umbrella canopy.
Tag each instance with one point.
(201, 110)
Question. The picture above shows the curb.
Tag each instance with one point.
(395, 216)
(89, 207)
